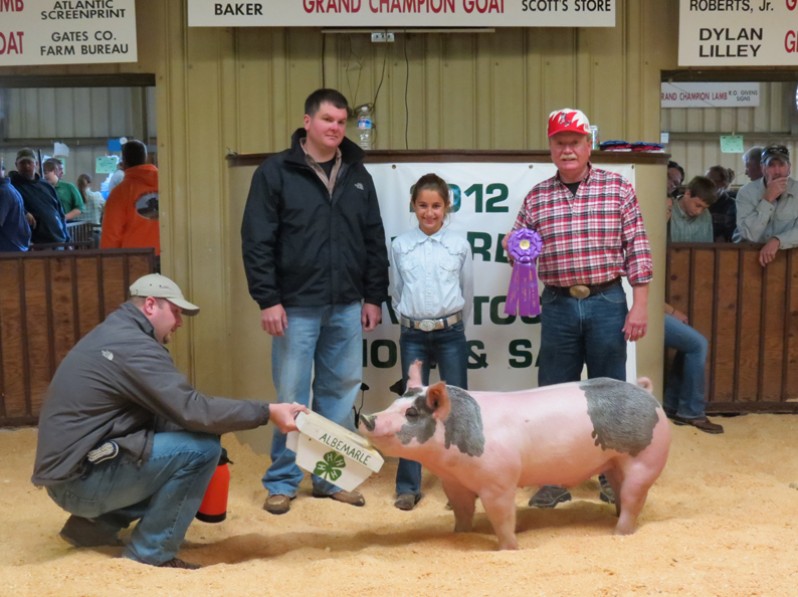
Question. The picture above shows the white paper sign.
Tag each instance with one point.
(738, 32)
(397, 14)
(709, 95)
(67, 32)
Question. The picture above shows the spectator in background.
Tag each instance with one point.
(116, 176)
(45, 212)
(14, 229)
(768, 207)
(691, 221)
(131, 212)
(68, 194)
(675, 178)
(684, 400)
(724, 210)
(685, 382)
(94, 202)
(753, 162)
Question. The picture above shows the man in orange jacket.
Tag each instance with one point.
(130, 219)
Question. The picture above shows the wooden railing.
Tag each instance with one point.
(48, 301)
(749, 314)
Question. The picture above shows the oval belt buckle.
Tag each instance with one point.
(426, 325)
(579, 291)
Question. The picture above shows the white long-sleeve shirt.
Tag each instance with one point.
(431, 276)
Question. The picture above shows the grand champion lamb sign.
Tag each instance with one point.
(398, 14)
(36, 32)
(486, 198)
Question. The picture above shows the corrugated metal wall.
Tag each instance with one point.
(220, 89)
(82, 118)
(695, 132)
(453, 91)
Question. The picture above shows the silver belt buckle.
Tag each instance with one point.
(427, 325)
(579, 291)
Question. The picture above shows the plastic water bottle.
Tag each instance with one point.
(365, 127)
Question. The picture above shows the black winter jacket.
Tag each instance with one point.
(303, 248)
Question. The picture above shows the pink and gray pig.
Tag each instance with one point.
(486, 444)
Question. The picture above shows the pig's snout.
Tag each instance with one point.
(367, 421)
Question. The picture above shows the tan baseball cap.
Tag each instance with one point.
(158, 286)
(25, 153)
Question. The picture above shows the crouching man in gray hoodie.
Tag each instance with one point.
(123, 435)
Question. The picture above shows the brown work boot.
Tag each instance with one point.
(353, 498)
(277, 503)
(703, 424)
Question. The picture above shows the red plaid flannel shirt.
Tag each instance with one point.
(590, 238)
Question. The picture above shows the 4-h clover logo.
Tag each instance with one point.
(330, 467)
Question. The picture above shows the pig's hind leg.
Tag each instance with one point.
(500, 508)
(630, 499)
(463, 503)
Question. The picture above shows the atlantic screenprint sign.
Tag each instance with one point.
(36, 32)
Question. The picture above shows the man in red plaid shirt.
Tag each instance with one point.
(592, 231)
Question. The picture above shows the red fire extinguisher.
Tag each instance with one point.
(214, 505)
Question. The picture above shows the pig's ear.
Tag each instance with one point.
(414, 375)
(438, 401)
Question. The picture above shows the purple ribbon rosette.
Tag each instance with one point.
(524, 246)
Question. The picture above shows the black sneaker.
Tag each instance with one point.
(178, 563)
(606, 493)
(85, 532)
(549, 496)
(407, 501)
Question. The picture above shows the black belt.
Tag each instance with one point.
(431, 325)
(582, 291)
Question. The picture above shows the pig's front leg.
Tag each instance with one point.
(500, 508)
(463, 503)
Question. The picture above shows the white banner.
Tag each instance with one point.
(709, 95)
(486, 197)
(67, 32)
(398, 14)
(738, 33)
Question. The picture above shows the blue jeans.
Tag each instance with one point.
(576, 332)
(684, 383)
(164, 492)
(447, 348)
(326, 342)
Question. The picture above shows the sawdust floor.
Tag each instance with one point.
(721, 520)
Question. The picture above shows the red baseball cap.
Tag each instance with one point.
(568, 120)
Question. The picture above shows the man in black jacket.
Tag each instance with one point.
(46, 215)
(317, 265)
(123, 436)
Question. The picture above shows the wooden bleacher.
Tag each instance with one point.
(49, 300)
